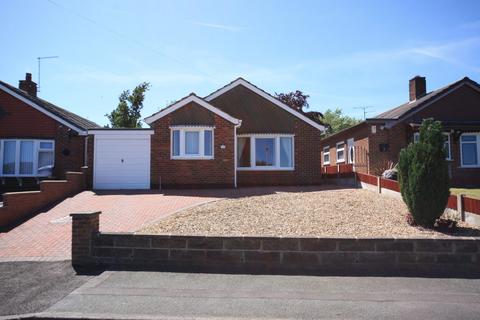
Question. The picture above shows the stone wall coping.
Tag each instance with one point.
(290, 237)
(53, 181)
(74, 173)
(21, 192)
(86, 213)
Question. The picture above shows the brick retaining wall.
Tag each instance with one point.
(271, 254)
(19, 205)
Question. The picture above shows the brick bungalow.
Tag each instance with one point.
(374, 144)
(37, 138)
(238, 135)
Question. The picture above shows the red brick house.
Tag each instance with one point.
(374, 144)
(37, 138)
(239, 135)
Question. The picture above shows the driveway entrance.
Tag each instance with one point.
(47, 236)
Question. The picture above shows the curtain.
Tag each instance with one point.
(176, 143)
(208, 142)
(26, 157)
(192, 142)
(286, 152)
(9, 149)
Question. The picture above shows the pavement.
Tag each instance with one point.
(27, 287)
(156, 295)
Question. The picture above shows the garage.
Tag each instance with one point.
(121, 159)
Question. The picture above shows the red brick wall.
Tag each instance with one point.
(307, 162)
(23, 121)
(218, 172)
(18, 205)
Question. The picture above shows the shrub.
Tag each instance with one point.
(423, 175)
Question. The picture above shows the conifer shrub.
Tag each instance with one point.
(423, 175)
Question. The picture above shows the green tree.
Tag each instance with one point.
(336, 121)
(127, 113)
(423, 175)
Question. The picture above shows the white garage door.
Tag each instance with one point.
(122, 161)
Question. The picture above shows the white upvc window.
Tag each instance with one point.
(26, 157)
(340, 151)
(470, 150)
(446, 144)
(326, 155)
(192, 142)
(265, 152)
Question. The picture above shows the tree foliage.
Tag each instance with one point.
(336, 121)
(296, 100)
(423, 175)
(127, 114)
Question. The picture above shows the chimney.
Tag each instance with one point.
(417, 88)
(28, 85)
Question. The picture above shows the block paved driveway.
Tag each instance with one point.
(47, 236)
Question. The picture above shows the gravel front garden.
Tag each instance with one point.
(332, 212)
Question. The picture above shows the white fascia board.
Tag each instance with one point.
(119, 132)
(187, 100)
(267, 96)
(43, 110)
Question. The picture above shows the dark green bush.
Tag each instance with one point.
(423, 175)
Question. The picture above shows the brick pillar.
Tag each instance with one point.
(85, 225)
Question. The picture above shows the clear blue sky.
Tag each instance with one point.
(342, 53)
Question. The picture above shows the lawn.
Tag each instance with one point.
(473, 193)
(333, 212)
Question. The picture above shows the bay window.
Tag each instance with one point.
(341, 152)
(265, 152)
(470, 150)
(26, 158)
(326, 155)
(192, 143)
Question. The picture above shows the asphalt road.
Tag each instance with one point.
(27, 287)
(182, 295)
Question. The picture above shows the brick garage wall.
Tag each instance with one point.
(19, 205)
(270, 254)
(307, 162)
(17, 123)
(218, 172)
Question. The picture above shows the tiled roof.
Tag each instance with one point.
(409, 107)
(66, 115)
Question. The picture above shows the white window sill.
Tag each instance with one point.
(340, 161)
(326, 163)
(264, 169)
(191, 158)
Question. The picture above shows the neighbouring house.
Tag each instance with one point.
(374, 144)
(237, 136)
(37, 138)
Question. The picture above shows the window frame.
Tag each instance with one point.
(36, 152)
(276, 138)
(324, 153)
(341, 149)
(477, 135)
(201, 143)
